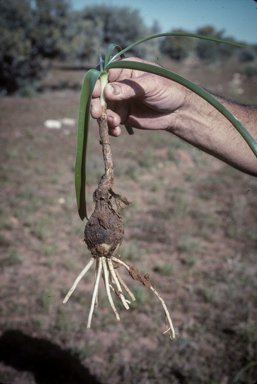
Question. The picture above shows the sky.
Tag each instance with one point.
(237, 17)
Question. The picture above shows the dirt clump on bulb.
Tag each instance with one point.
(104, 230)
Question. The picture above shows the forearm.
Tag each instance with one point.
(200, 124)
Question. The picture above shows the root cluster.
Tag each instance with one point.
(113, 282)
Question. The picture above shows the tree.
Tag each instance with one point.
(121, 25)
(82, 39)
(51, 21)
(19, 65)
(30, 31)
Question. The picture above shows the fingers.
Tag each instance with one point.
(119, 75)
(123, 90)
(97, 89)
(114, 131)
(113, 118)
(96, 110)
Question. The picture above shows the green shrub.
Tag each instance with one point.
(246, 55)
(250, 70)
(164, 269)
(177, 47)
(213, 52)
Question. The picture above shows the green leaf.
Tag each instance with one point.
(109, 52)
(172, 34)
(83, 126)
(244, 369)
(193, 87)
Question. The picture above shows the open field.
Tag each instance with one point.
(191, 225)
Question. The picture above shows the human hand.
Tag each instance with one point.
(139, 99)
(146, 101)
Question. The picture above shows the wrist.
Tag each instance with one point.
(203, 126)
(192, 118)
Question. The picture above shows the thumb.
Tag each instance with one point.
(123, 90)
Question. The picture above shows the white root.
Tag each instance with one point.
(95, 292)
(125, 286)
(107, 285)
(171, 328)
(121, 262)
(82, 273)
(96, 269)
(166, 313)
(111, 269)
(112, 288)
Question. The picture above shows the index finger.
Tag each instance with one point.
(97, 89)
(113, 75)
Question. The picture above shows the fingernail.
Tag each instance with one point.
(115, 88)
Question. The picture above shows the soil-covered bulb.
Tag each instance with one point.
(104, 230)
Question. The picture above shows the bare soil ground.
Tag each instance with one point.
(191, 225)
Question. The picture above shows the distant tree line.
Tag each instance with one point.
(35, 30)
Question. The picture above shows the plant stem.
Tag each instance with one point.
(103, 82)
(108, 178)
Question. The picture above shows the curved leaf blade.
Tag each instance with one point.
(193, 87)
(243, 370)
(173, 34)
(82, 140)
(109, 52)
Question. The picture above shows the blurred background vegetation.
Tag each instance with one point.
(36, 33)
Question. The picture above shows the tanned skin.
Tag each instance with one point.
(147, 101)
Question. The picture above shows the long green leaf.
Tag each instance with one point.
(82, 139)
(193, 87)
(171, 34)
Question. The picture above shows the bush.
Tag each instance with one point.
(250, 70)
(177, 47)
(246, 55)
(209, 51)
